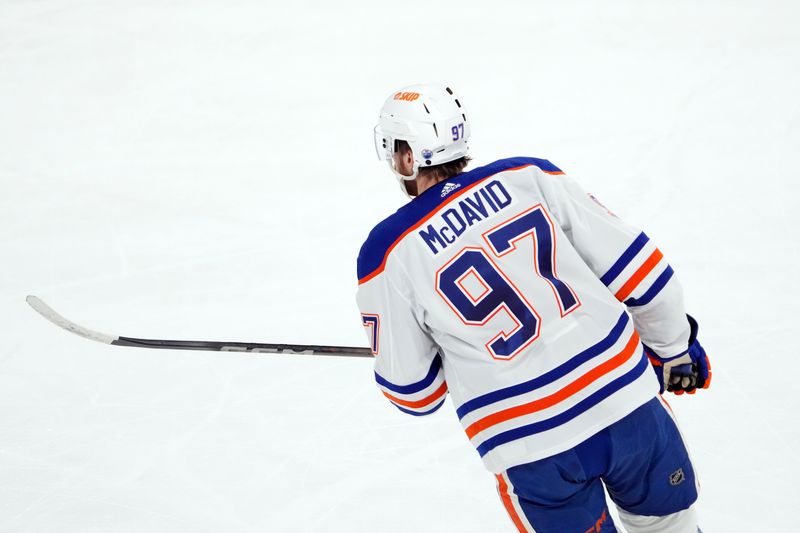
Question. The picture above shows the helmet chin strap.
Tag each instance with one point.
(402, 178)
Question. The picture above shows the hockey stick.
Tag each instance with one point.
(213, 346)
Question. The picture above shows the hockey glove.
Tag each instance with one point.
(685, 372)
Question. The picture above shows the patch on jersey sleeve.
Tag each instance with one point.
(598, 202)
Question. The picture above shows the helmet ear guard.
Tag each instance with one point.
(386, 147)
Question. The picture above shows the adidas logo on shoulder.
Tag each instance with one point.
(450, 187)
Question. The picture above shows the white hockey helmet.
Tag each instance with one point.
(430, 119)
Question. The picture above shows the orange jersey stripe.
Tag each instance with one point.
(502, 488)
(639, 275)
(558, 396)
(428, 217)
(438, 393)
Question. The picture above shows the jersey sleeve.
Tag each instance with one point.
(624, 259)
(408, 368)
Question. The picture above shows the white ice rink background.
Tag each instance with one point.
(205, 169)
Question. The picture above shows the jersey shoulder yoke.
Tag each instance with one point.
(385, 236)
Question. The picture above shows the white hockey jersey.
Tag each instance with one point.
(505, 286)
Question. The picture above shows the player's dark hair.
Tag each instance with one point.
(439, 172)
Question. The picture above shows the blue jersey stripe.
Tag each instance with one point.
(385, 234)
(562, 418)
(625, 259)
(654, 289)
(418, 413)
(424, 383)
(550, 376)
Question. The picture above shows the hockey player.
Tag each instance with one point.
(537, 309)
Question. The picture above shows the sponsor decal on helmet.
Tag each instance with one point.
(407, 96)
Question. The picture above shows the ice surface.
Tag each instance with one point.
(201, 169)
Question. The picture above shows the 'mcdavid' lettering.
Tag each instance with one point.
(499, 194)
(454, 221)
(429, 236)
(445, 229)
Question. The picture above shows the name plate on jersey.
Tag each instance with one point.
(473, 207)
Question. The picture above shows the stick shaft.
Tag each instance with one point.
(214, 346)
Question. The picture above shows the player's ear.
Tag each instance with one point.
(408, 157)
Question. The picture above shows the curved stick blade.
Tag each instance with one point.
(46, 311)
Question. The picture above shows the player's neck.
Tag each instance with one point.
(426, 180)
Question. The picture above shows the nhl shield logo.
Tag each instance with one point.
(677, 477)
